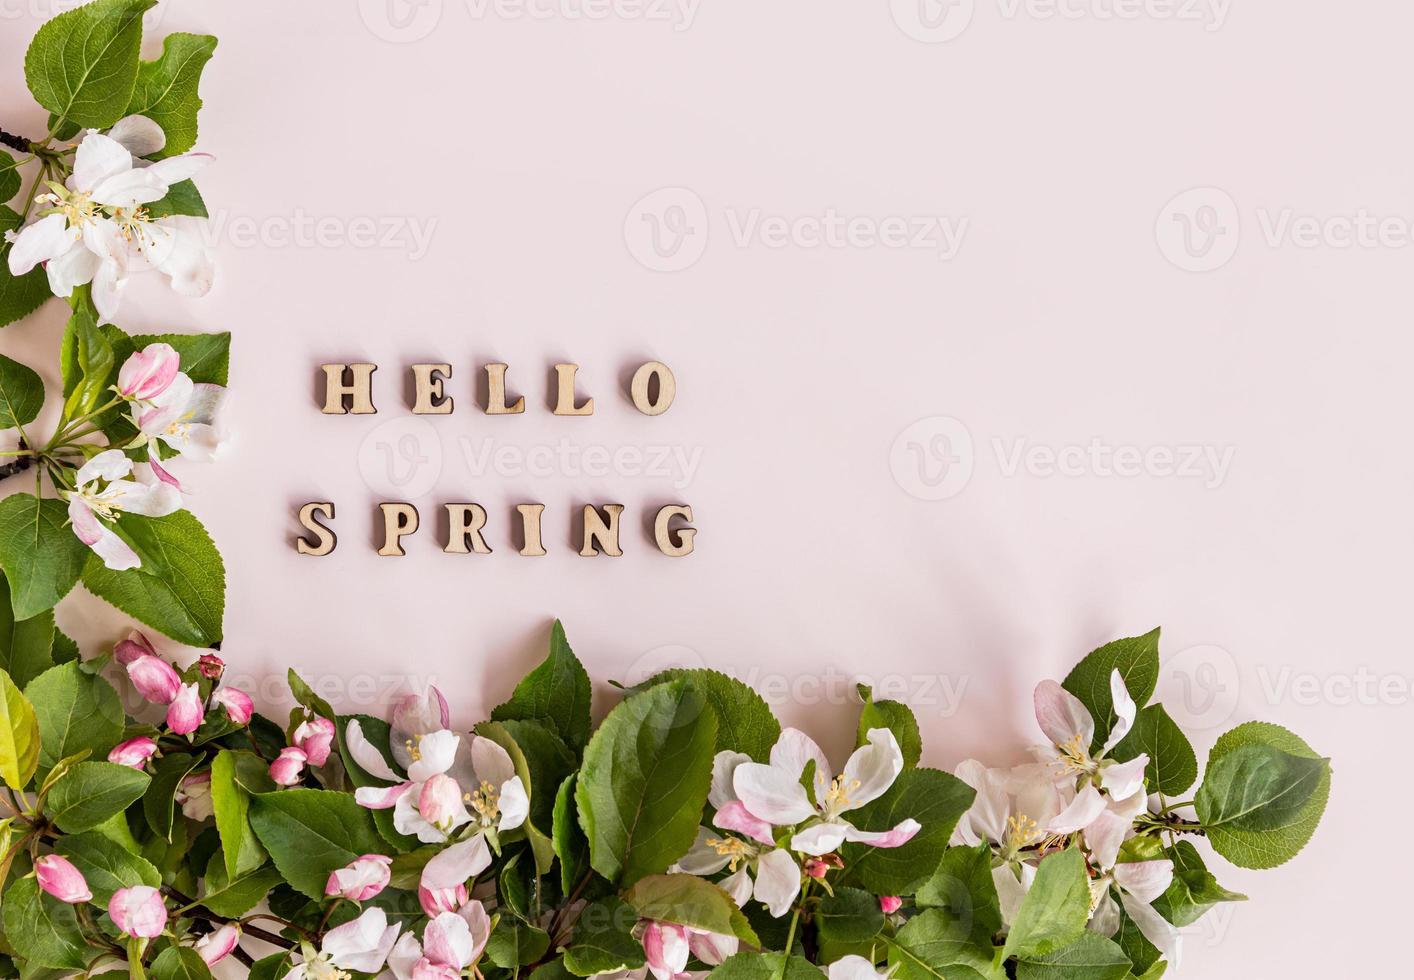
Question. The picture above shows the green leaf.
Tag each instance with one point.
(603, 940)
(82, 64)
(106, 868)
(897, 718)
(964, 890)
(932, 947)
(21, 394)
(182, 199)
(92, 792)
(271, 967)
(540, 844)
(19, 735)
(19, 297)
(188, 601)
(311, 832)
(767, 966)
(556, 692)
(77, 710)
(1172, 764)
(1194, 890)
(1267, 849)
(744, 719)
(234, 897)
(159, 806)
(936, 800)
(513, 943)
(1055, 910)
(644, 781)
(549, 761)
(65, 649)
(26, 645)
(1143, 955)
(1137, 660)
(850, 915)
(568, 839)
(43, 930)
(231, 803)
(1256, 787)
(377, 732)
(86, 362)
(1091, 957)
(687, 900)
(179, 963)
(166, 89)
(9, 177)
(41, 555)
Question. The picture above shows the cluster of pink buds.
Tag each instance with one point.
(158, 682)
(313, 741)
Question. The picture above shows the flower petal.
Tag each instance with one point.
(1062, 717)
(703, 858)
(1145, 880)
(1155, 928)
(174, 170)
(1125, 711)
(872, 769)
(74, 267)
(852, 967)
(457, 864)
(514, 804)
(724, 764)
(368, 757)
(777, 881)
(821, 838)
(115, 552)
(1123, 780)
(1082, 811)
(735, 816)
(772, 794)
(380, 797)
(97, 159)
(793, 750)
(139, 135)
(42, 240)
(897, 837)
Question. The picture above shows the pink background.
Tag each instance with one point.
(1073, 313)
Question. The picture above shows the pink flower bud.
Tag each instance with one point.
(216, 946)
(211, 666)
(147, 374)
(138, 911)
(57, 877)
(237, 703)
(136, 645)
(315, 736)
(194, 796)
(435, 901)
(286, 768)
(440, 802)
(816, 868)
(154, 678)
(890, 903)
(361, 879)
(134, 752)
(186, 713)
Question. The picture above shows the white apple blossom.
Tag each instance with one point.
(361, 945)
(102, 493)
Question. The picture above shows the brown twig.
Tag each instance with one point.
(15, 142)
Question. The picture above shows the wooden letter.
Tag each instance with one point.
(599, 533)
(496, 393)
(398, 520)
(643, 379)
(430, 400)
(564, 401)
(324, 540)
(358, 390)
(464, 524)
(530, 524)
(664, 535)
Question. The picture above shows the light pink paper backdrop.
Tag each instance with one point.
(1071, 314)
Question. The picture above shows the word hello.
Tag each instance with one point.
(348, 390)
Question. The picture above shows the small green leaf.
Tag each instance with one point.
(897, 718)
(687, 900)
(235, 897)
(231, 803)
(26, 645)
(166, 89)
(21, 394)
(41, 555)
(19, 735)
(310, 833)
(556, 692)
(1091, 957)
(92, 792)
(182, 199)
(850, 915)
(9, 177)
(82, 64)
(106, 868)
(1137, 660)
(603, 940)
(514, 944)
(86, 362)
(1194, 890)
(570, 845)
(1055, 910)
(159, 806)
(964, 890)
(180, 963)
(19, 296)
(933, 947)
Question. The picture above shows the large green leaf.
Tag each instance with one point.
(1248, 848)
(85, 362)
(41, 555)
(556, 692)
(936, 800)
(166, 89)
(744, 719)
(43, 930)
(90, 793)
(687, 900)
(187, 601)
(234, 897)
(231, 802)
(1172, 765)
(514, 943)
(568, 839)
(182, 198)
(310, 833)
(26, 645)
(603, 939)
(850, 915)
(159, 806)
(1091, 957)
(1055, 910)
(932, 947)
(1256, 787)
(767, 966)
(106, 868)
(82, 64)
(19, 297)
(179, 963)
(964, 890)
(644, 781)
(77, 710)
(19, 735)
(1137, 660)
(21, 394)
